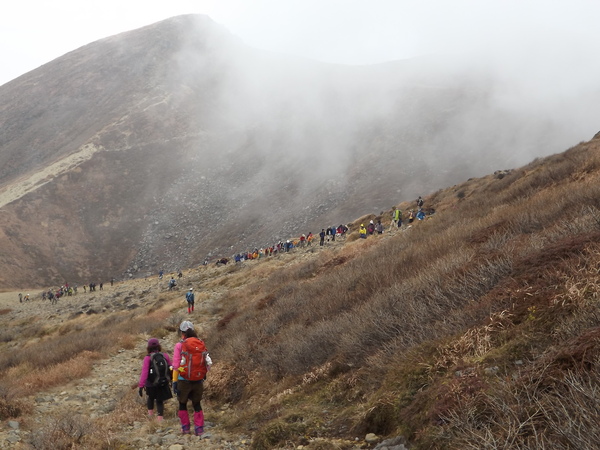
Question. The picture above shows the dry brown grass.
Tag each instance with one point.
(68, 355)
(505, 269)
(477, 328)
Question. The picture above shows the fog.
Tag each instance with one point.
(494, 107)
(317, 117)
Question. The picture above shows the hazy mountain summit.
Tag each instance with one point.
(161, 146)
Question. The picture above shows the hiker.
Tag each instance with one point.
(322, 236)
(362, 231)
(396, 218)
(190, 364)
(155, 378)
(371, 228)
(112, 281)
(180, 275)
(172, 283)
(420, 214)
(189, 297)
(379, 227)
(411, 216)
(419, 202)
(20, 298)
(160, 274)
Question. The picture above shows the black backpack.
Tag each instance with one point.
(159, 370)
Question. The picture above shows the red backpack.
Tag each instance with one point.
(193, 359)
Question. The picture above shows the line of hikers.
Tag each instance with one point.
(304, 240)
(330, 233)
(64, 290)
(185, 374)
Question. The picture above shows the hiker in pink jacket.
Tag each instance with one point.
(155, 378)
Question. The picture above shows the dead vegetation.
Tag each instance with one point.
(476, 328)
(499, 278)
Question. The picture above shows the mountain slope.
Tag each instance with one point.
(475, 327)
(161, 146)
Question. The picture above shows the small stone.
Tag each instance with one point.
(176, 447)
(371, 438)
(13, 424)
(491, 370)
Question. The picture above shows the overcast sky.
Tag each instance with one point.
(537, 33)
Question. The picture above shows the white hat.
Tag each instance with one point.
(191, 289)
(186, 325)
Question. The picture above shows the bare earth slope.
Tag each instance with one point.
(162, 146)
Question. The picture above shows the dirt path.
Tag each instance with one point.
(108, 388)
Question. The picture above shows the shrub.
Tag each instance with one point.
(62, 431)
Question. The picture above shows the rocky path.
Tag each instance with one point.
(107, 392)
(108, 389)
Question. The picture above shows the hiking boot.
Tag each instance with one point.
(185, 429)
(159, 418)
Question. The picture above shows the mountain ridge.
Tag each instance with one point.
(192, 145)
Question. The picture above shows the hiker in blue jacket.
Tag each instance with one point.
(190, 300)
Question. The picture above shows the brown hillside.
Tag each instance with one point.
(474, 328)
(161, 146)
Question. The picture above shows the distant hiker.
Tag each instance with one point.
(20, 298)
(112, 280)
(411, 216)
(101, 286)
(155, 378)
(379, 227)
(420, 214)
(84, 287)
(26, 297)
(189, 297)
(419, 202)
(190, 365)
(362, 231)
(160, 275)
(309, 239)
(172, 283)
(396, 218)
(322, 236)
(371, 228)
(180, 275)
